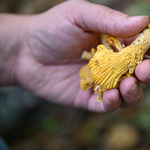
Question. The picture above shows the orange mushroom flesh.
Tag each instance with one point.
(106, 69)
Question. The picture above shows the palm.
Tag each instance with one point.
(54, 62)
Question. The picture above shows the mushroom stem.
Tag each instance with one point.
(86, 55)
(143, 40)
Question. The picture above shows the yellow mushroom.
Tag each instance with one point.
(106, 69)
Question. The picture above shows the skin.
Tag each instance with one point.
(41, 53)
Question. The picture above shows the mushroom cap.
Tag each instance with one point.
(86, 81)
(108, 68)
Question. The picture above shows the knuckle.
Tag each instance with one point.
(112, 25)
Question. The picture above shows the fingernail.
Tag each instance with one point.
(134, 90)
(136, 18)
(116, 100)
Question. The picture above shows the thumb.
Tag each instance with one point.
(98, 18)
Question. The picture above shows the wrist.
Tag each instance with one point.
(12, 31)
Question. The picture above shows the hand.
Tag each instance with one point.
(48, 61)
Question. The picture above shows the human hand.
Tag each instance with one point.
(48, 60)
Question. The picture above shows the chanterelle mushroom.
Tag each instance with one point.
(106, 69)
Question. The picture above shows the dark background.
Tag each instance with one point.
(29, 123)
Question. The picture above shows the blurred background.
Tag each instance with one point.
(30, 123)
